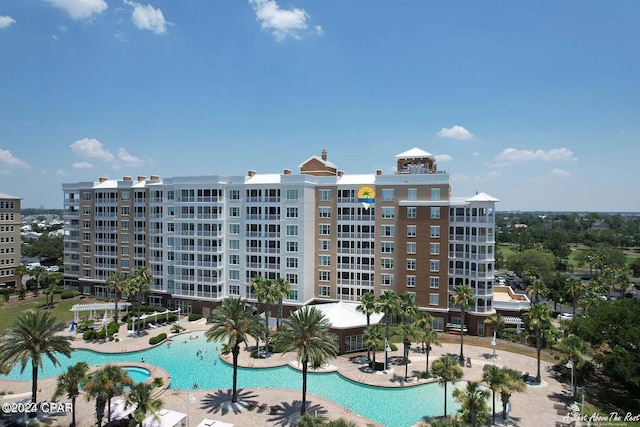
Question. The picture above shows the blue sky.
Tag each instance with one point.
(535, 103)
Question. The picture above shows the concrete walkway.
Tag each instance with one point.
(535, 407)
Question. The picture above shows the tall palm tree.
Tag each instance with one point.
(474, 402)
(367, 307)
(234, 322)
(537, 288)
(281, 290)
(374, 338)
(513, 384)
(423, 322)
(69, 383)
(117, 284)
(574, 290)
(103, 385)
(496, 378)
(539, 316)
(430, 338)
(446, 370)
(408, 333)
(307, 332)
(496, 320)
(265, 293)
(463, 298)
(389, 304)
(32, 337)
(140, 395)
(21, 271)
(37, 273)
(573, 348)
(408, 308)
(49, 281)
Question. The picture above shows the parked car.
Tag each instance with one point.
(565, 316)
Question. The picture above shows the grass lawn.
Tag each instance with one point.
(61, 308)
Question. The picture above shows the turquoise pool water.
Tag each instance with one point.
(393, 407)
(138, 375)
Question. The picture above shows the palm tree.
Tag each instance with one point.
(103, 385)
(539, 319)
(537, 288)
(496, 320)
(32, 337)
(408, 307)
(69, 383)
(463, 298)
(573, 348)
(446, 370)
(37, 273)
(21, 271)
(374, 338)
(423, 322)
(474, 403)
(265, 293)
(408, 333)
(281, 290)
(367, 307)
(513, 383)
(429, 338)
(140, 395)
(496, 378)
(307, 332)
(234, 322)
(49, 281)
(389, 304)
(117, 284)
(574, 290)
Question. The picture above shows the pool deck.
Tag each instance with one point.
(535, 407)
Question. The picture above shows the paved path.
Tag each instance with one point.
(533, 408)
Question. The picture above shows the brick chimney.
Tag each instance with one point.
(324, 155)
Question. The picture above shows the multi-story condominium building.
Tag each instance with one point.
(10, 249)
(333, 236)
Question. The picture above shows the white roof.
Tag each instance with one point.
(99, 306)
(165, 418)
(343, 315)
(208, 422)
(318, 158)
(8, 196)
(482, 197)
(357, 179)
(414, 152)
(264, 178)
(119, 409)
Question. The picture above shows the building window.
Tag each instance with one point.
(124, 210)
(324, 291)
(434, 299)
(234, 289)
(234, 274)
(234, 259)
(324, 212)
(388, 230)
(387, 279)
(386, 263)
(234, 244)
(387, 194)
(388, 213)
(412, 194)
(434, 265)
(292, 278)
(292, 246)
(412, 212)
(386, 247)
(435, 194)
(324, 260)
(324, 276)
(324, 229)
(292, 212)
(325, 195)
(435, 213)
(292, 230)
(411, 281)
(437, 324)
(234, 212)
(292, 262)
(434, 282)
(234, 229)
(324, 245)
(124, 250)
(411, 247)
(292, 194)
(125, 263)
(434, 249)
(411, 230)
(434, 231)
(293, 295)
(411, 264)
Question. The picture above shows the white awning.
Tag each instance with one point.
(207, 422)
(164, 418)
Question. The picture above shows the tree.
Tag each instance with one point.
(140, 395)
(265, 293)
(117, 284)
(536, 286)
(103, 385)
(37, 273)
(513, 383)
(20, 272)
(574, 290)
(573, 348)
(69, 383)
(32, 337)
(281, 290)
(307, 332)
(373, 337)
(446, 370)
(234, 322)
(635, 267)
(389, 304)
(429, 337)
(408, 308)
(497, 322)
(539, 317)
(474, 403)
(543, 262)
(423, 322)
(408, 333)
(367, 307)
(496, 378)
(462, 298)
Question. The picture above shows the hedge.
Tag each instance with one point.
(194, 316)
(157, 339)
(69, 293)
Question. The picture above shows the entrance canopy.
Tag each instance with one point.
(107, 307)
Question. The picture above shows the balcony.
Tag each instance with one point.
(474, 239)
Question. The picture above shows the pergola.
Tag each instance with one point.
(155, 315)
(93, 309)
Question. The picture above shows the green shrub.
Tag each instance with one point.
(90, 334)
(157, 382)
(177, 329)
(194, 316)
(112, 328)
(69, 293)
(157, 339)
(254, 352)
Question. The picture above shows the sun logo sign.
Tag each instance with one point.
(366, 195)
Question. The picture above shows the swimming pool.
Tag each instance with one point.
(186, 360)
(138, 375)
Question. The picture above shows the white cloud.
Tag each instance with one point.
(120, 36)
(81, 9)
(53, 36)
(91, 148)
(560, 173)
(282, 23)
(5, 21)
(8, 159)
(476, 154)
(129, 159)
(82, 165)
(146, 17)
(455, 132)
(443, 158)
(60, 172)
(556, 154)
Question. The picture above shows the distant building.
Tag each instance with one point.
(10, 249)
(333, 236)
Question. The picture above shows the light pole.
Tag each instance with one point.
(190, 401)
(570, 366)
(387, 349)
(493, 344)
